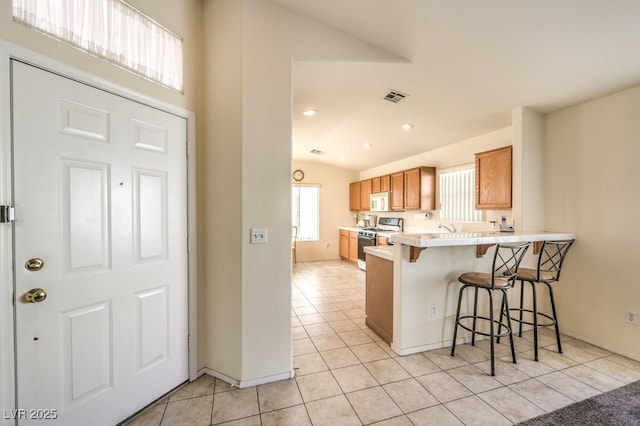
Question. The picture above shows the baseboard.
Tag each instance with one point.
(246, 383)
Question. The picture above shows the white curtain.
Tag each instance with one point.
(112, 30)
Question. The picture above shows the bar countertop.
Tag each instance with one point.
(424, 240)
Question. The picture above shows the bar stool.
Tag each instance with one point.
(550, 259)
(504, 270)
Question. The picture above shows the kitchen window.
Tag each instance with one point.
(305, 212)
(111, 30)
(457, 196)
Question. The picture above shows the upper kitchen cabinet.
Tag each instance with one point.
(420, 188)
(397, 191)
(385, 183)
(493, 179)
(354, 196)
(375, 185)
(365, 194)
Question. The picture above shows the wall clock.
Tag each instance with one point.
(298, 175)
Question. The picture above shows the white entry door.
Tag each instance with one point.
(101, 228)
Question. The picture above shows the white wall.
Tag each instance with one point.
(592, 175)
(334, 208)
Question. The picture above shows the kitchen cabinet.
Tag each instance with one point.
(353, 246)
(493, 179)
(379, 297)
(365, 194)
(385, 183)
(420, 188)
(382, 241)
(375, 185)
(344, 244)
(354, 196)
(397, 191)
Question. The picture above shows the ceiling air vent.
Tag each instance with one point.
(394, 96)
(316, 152)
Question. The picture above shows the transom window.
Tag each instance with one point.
(111, 30)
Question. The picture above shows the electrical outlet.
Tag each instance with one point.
(433, 311)
(632, 317)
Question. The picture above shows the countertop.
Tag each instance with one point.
(475, 238)
(384, 252)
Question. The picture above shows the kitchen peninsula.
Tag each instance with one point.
(425, 286)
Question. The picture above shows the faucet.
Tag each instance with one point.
(451, 229)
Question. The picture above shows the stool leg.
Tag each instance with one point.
(455, 326)
(521, 306)
(555, 317)
(513, 348)
(491, 334)
(475, 314)
(535, 321)
(503, 312)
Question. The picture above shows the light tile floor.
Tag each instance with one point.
(346, 375)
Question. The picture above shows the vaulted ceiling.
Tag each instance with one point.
(468, 64)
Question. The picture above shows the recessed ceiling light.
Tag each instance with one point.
(367, 145)
(310, 112)
(407, 126)
(342, 158)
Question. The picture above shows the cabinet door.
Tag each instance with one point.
(412, 189)
(493, 179)
(383, 241)
(344, 244)
(379, 297)
(385, 183)
(353, 246)
(365, 195)
(397, 191)
(419, 188)
(354, 196)
(375, 185)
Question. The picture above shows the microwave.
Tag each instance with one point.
(379, 202)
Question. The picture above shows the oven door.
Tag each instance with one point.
(364, 241)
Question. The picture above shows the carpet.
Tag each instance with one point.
(617, 407)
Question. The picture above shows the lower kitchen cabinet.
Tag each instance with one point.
(344, 244)
(379, 297)
(348, 245)
(353, 246)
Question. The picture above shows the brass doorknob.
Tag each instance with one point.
(34, 264)
(35, 295)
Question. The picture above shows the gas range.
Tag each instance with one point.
(367, 236)
(385, 224)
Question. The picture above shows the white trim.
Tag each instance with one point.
(246, 383)
(7, 362)
(10, 51)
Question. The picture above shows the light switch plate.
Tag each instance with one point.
(258, 236)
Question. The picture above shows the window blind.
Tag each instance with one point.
(457, 197)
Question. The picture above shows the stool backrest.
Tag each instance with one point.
(550, 259)
(506, 261)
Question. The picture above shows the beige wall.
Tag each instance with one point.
(592, 175)
(449, 156)
(334, 208)
(250, 46)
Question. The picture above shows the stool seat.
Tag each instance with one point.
(483, 279)
(528, 274)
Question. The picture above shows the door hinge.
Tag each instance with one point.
(7, 214)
